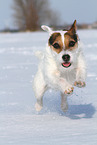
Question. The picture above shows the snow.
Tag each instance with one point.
(20, 124)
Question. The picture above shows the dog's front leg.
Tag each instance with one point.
(66, 88)
(60, 83)
(81, 72)
(64, 104)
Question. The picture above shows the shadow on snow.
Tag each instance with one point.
(80, 111)
(74, 111)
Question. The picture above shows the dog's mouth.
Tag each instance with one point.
(66, 64)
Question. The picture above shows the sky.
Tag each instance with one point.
(84, 11)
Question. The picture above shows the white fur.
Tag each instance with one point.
(51, 74)
(47, 29)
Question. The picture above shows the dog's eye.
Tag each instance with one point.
(71, 43)
(56, 45)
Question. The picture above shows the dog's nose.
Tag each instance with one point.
(66, 57)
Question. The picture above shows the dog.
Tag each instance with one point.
(62, 66)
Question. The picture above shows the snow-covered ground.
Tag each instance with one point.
(20, 124)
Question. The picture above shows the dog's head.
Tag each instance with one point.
(64, 45)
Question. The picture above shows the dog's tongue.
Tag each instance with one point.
(66, 64)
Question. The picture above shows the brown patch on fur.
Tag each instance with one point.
(71, 36)
(73, 28)
(56, 39)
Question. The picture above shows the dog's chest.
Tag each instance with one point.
(70, 76)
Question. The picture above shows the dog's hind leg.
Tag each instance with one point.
(64, 104)
(39, 87)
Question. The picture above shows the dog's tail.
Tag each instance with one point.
(39, 54)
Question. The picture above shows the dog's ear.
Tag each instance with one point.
(46, 28)
(73, 27)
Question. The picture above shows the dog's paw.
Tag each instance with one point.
(38, 107)
(69, 90)
(79, 84)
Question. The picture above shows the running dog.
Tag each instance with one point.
(62, 65)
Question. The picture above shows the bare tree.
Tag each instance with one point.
(30, 14)
(25, 15)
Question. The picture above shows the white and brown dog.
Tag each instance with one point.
(62, 66)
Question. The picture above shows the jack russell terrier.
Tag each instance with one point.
(61, 66)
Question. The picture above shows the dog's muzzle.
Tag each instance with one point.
(66, 59)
